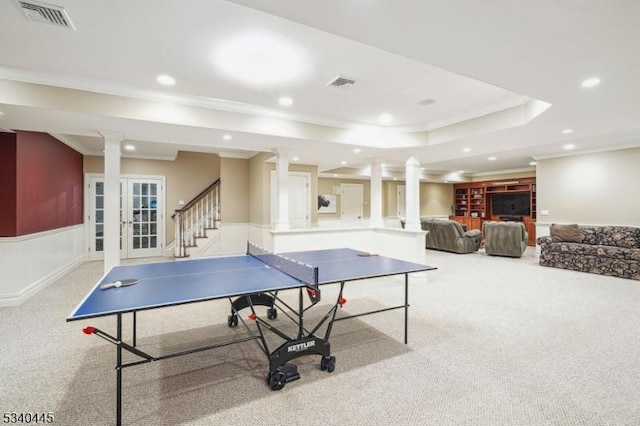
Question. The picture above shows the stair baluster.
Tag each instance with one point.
(193, 220)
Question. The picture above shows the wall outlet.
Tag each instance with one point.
(544, 212)
(181, 202)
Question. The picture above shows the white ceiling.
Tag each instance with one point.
(505, 77)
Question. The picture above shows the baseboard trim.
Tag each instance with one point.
(15, 299)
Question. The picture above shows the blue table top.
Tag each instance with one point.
(337, 265)
(178, 282)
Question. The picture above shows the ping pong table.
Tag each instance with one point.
(246, 281)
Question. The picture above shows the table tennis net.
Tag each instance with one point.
(308, 274)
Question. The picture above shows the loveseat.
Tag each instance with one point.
(604, 250)
(448, 235)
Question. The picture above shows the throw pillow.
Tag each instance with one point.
(565, 233)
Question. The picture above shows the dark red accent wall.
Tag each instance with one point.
(49, 184)
(8, 184)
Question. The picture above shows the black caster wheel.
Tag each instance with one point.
(328, 363)
(276, 380)
(232, 320)
(272, 313)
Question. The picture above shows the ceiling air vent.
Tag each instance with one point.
(47, 13)
(341, 82)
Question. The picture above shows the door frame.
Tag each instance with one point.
(88, 202)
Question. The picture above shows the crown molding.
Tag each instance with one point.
(73, 144)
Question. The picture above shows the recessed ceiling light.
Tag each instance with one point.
(395, 178)
(1, 113)
(569, 146)
(426, 102)
(492, 158)
(357, 150)
(533, 163)
(130, 147)
(460, 171)
(343, 162)
(567, 131)
(335, 175)
(296, 158)
(446, 181)
(166, 80)
(285, 101)
(591, 82)
(261, 59)
(466, 150)
(226, 137)
(385, 118)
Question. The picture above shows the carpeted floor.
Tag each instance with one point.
(492, 341)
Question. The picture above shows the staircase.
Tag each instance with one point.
(197, 223)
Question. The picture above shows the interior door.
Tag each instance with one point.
(95, 217)
(352, 201)
(141, 217)
(299, 199)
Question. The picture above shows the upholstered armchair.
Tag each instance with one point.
(448, 235)
(504, 238)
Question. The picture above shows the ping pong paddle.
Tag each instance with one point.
(119, 283)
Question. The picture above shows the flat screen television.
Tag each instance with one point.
(515, 204)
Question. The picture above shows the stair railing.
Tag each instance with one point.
(193, 220)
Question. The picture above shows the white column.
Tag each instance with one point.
(412, 176)
(282, 189)
(375, 220)
(112, 142)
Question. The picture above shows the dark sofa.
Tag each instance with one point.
(604, 250)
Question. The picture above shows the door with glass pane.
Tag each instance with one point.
(95, 217)
(141, 217)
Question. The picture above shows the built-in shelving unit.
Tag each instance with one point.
(461, 200)
(472, 202)
(477, 195)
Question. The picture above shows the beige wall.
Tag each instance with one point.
(325, 186)
(597, 189)
(259, 184)
(234, 190)
(390, 198)
(435, 198)
(186, 177)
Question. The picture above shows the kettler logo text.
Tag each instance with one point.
(301, 346)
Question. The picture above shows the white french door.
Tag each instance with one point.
(352, 201)
(142, 220)
(145, 220)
